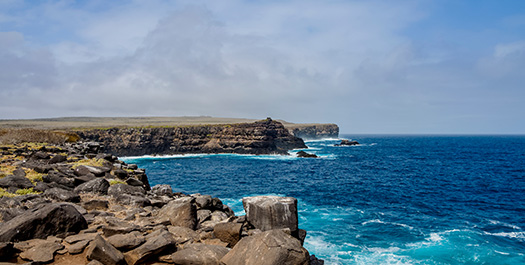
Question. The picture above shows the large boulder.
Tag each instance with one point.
(228, 232)
(51, 219)
(19, 182)
(63, 195)
(126, 241)
(162, 190)
(97, 186)
(180, 212)
(100, 250)
(153, 245)
(273, 247)
(271, 212)
(199, 254)
(119, 189)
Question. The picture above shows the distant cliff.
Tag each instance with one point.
(313, 131)
(261, 137)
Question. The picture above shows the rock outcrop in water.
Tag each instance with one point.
(262, 137)
(102, 211)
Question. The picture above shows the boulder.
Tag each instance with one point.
(57, 159)
(305, 154)
(96, 205)
(183, 234)
(228, 232)
(271, 212)
(120, 173)
(18, 182)
(151, 247)
(127, 199)
(97, 186)
(42, 252)
(347, 143)
(100, 250)
(273, 247)
(134, 182)
(119, 189)
(97, 171)
(162, 190)
(180, 212)
(59, 178)
(77, 247)
(51, 219)
(127, 241)
(59, 194)
(19, 172)
(199, 254)
(203, 201)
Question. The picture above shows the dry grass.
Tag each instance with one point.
(9, 136)
(88, 162)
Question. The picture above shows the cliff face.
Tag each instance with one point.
(314, 131)
(261, 137)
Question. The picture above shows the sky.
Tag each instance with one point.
(404, 66)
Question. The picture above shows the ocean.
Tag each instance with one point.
(390, 200)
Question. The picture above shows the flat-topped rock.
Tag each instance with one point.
(271, 212)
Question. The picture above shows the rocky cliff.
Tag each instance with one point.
(314, 131)
(261, 137)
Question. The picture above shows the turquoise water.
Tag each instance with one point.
(390, 200)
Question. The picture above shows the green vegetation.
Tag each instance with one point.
(19, 192)
(116, 181)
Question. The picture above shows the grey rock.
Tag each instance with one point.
(97, 186)
(183, 234)
(162, 190)
(272, 247)
(80, 237)
(62, 195)
(127, 241)
(96, 205)
(19, 172)
(18, 182)
(59, 178)
(120, 173)
(119, 189)
(100, 250)
(51, 219)
(97, 171)
(203, 201)
(180, 212)
(152, 246)
(127, 199)
(199, 254)
(271, 212)
(203, 215)
(78, 247)
(134, 182)
(57, 159)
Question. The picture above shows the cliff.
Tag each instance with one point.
(313, 131)
(261, 137)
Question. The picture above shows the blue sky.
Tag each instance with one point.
(406, 66)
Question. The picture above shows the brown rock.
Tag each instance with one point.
(272, 247)
(271, 212)
(126, 241)
(199, 254)
(180, 212)
(42, 252)
(228, 232)
(100, 250)
(153, 246)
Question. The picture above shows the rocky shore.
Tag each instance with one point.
(75, 204)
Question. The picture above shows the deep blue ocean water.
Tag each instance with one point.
(390, 200)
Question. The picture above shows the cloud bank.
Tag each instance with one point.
(365, 65)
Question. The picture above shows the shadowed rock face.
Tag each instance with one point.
(314, 131)
(262, 137)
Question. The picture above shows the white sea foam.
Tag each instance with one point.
(516, 235)
(495, 222)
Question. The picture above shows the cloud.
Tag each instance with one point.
(351, 62)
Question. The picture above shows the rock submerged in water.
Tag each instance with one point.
(347, 143)
(306, 155)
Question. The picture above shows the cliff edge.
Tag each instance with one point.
(260, 137)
